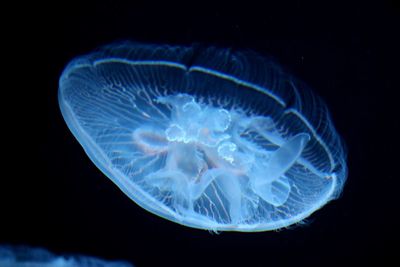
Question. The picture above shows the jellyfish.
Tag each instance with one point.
(210, 138)
(25, 256)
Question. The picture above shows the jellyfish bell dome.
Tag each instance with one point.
(210, 138)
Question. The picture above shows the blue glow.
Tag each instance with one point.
(209, 138)
(23, 256)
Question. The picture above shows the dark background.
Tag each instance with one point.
(57, 199)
